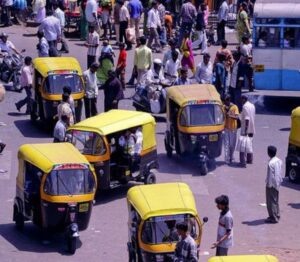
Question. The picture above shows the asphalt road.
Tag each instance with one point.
(106, 237)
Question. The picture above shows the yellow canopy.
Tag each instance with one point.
(245, 258)
(295, 128)
(46, 64)
(162, 199)
(183, 95)
(46, 156)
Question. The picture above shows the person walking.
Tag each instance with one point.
(154, 25)
(116, 17)
(222, 20)
(92, 43)
(162, 30)
(124, 22)
(220, 75)
(242, 22)
(42, 46)
(135, 8)
(273, 182)
(91, 14)
(7, 6)
(186, 248)
(200, 29)
(83, 21)
(113, 92)
(225, 227)
(91, 91)
(52, 31)
(60, 129)
(204, 70)
(231, 126)
(26, 83)
(236, 79)
(121, 65)
(187, 53)
(142, 60)
(188, 15)
(60, 15)
(247, 132)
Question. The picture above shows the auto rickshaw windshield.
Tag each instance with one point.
(158, 230)
(56, 82)
(88, 143)
(201, 115)
(69, 182)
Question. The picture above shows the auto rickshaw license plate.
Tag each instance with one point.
(213, 138)
(84, 207)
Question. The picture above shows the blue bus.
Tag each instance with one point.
(276, 45)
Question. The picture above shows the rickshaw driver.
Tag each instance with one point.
(173, 235)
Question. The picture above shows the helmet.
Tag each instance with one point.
(157, 61)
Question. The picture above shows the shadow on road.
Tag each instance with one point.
(256, 222)
(285, 129)
(30, 239)
(28, 129)
(294, 205)
(288, 184)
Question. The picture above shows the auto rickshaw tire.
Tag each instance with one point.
(150, 178)
(19, 219)
(203, 169)
(294, 174)
(72, 244)
(169, 150)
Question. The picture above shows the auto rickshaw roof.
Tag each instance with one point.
(295, 128)
(114, 121)
(46, 156)
(162, 200)
(44, 65)
(183, 95)
(244, 258)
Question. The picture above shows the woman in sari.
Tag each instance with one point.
(186, 49)
(242, 23)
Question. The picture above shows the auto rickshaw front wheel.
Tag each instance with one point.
(150, 178)
(19, 219)
(72, 243)
(203, 168)
(294, 174)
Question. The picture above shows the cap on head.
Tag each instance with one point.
(157, 61)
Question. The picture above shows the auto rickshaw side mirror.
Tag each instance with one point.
(205, 219)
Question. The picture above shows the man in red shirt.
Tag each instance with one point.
(120, 70)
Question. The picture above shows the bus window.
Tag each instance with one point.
(267, 37)
(292, 21)
(267, 20)
(291, 38)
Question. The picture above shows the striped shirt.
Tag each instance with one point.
(93, 39)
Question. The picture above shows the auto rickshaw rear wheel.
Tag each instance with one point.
(294, 174)
(72, 243)
(168, 148)
(203, 168)
(19, 219)
(150, 178)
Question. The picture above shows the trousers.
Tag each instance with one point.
(230, 138)
(272, 199)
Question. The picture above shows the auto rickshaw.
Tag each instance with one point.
(195, 123)
(51, 75)
(244, 258)
(293, 156)
(99, 139)
(154, 211)
(55, 189)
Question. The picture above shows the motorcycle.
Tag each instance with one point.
(10, 70)
(151, 98)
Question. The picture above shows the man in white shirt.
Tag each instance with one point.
(153, 25)
(155, 75)
(247, 128)
(273, 182)
(60, 15)
(92, 44)
(52, 31)
(222, 19)
(91, 14)
(60, 129)
(91, 91)
(246, 46)
(7, 46)
(172, 67)
(204, 70)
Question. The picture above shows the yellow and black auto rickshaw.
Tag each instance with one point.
(55, 189)
(245, 258)
(120, 144)
(154, 211)
(195, 122)
(293, 156)
(51, 75)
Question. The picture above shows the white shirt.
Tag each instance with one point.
(248, 113)
(91, 8)
(26, 76)
(6, 47)
(152, 76)
(51, 28)
(171, 67)
(124, 14)
(93, 39)
(60, 131)
(234, 74)
(246, 49)
(138, 142)
(153, 19)
(274, 177)
(223, 12)
(204, 73)
(91, 88)
(60, 15)
(168, 55)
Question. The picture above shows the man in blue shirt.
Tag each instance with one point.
(135, 8)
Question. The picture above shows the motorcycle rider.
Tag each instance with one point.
(6, 46)
(155, 75)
